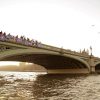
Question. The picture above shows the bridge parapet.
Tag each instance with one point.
(62, 51)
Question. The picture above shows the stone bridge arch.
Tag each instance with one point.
(49, 59)
(97, 67)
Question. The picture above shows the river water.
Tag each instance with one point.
(40, 86)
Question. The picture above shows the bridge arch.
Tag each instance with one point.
(49, 60)
(80, 60)
(97, 67)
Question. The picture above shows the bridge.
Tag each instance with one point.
(55, 60)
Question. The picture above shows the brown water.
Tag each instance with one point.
(40, 86)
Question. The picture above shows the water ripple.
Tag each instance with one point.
(37, 86)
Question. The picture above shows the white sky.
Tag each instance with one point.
(71, 24)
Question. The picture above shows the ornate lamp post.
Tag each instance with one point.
(91, 50)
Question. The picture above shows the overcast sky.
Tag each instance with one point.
(71, 24)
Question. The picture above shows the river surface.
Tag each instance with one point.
(40, 86)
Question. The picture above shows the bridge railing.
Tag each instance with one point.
(62, 51)
(51, 48)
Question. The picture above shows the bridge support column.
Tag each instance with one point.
(92, 65)
(92, 69)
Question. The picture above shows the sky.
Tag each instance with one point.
(71, 24)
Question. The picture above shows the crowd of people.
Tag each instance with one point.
(20, 40)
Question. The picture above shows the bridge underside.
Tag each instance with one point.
(53, 63)
(97, 68)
